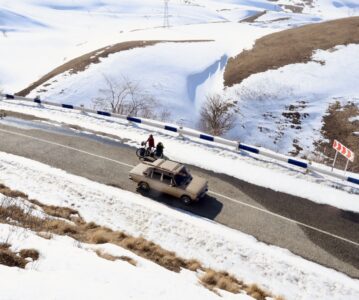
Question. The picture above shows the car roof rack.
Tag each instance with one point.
(166, 165)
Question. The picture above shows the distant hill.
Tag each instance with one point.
(290, 46)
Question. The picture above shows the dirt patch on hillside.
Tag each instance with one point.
(340, 123)
(290, 46)
(82, 62)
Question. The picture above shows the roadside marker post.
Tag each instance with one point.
(335, 159)
(346, 152)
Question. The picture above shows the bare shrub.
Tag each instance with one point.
(125, 97)
(217, 115)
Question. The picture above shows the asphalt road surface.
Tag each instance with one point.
(321, 233)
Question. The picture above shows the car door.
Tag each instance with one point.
(168, 184)
(155, 181)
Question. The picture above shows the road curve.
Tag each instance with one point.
(321, 233)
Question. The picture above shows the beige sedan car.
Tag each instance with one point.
(171, 178)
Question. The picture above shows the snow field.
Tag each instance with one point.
(84, 275)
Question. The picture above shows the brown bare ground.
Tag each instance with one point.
(94, 234)
(336, 125)
(290, 46)
(82, 62)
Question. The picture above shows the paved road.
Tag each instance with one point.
(320, 233)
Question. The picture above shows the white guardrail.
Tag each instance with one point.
(183, 131)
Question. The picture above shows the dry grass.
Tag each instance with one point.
(11, 193)
(4, 246)
(105, 255)
(59, 212)
(82, 62)
(29, 253)
(14, 259)
(110, 257)
(95, 234)
(256, 292)
(128, 259)
(290, 46)
(221, 280)
(11, 259)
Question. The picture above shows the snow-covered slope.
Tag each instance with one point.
(85, 275)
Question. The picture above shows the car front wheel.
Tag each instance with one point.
(186, 200)
(144, 186)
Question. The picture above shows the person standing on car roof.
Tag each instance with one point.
(151, 142)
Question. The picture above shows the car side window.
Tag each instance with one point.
(148, 173)
(156, 175)
(167, 179)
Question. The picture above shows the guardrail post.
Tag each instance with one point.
(38, 101)
(307, 170)
(180, 135)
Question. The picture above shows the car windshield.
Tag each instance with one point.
(183, 177)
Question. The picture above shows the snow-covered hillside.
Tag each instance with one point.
(39, 36)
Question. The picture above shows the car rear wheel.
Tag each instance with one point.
(144, 186)
(186, 200)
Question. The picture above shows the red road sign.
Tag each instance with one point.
(343, 150)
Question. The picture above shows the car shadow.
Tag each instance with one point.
(207, 207)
